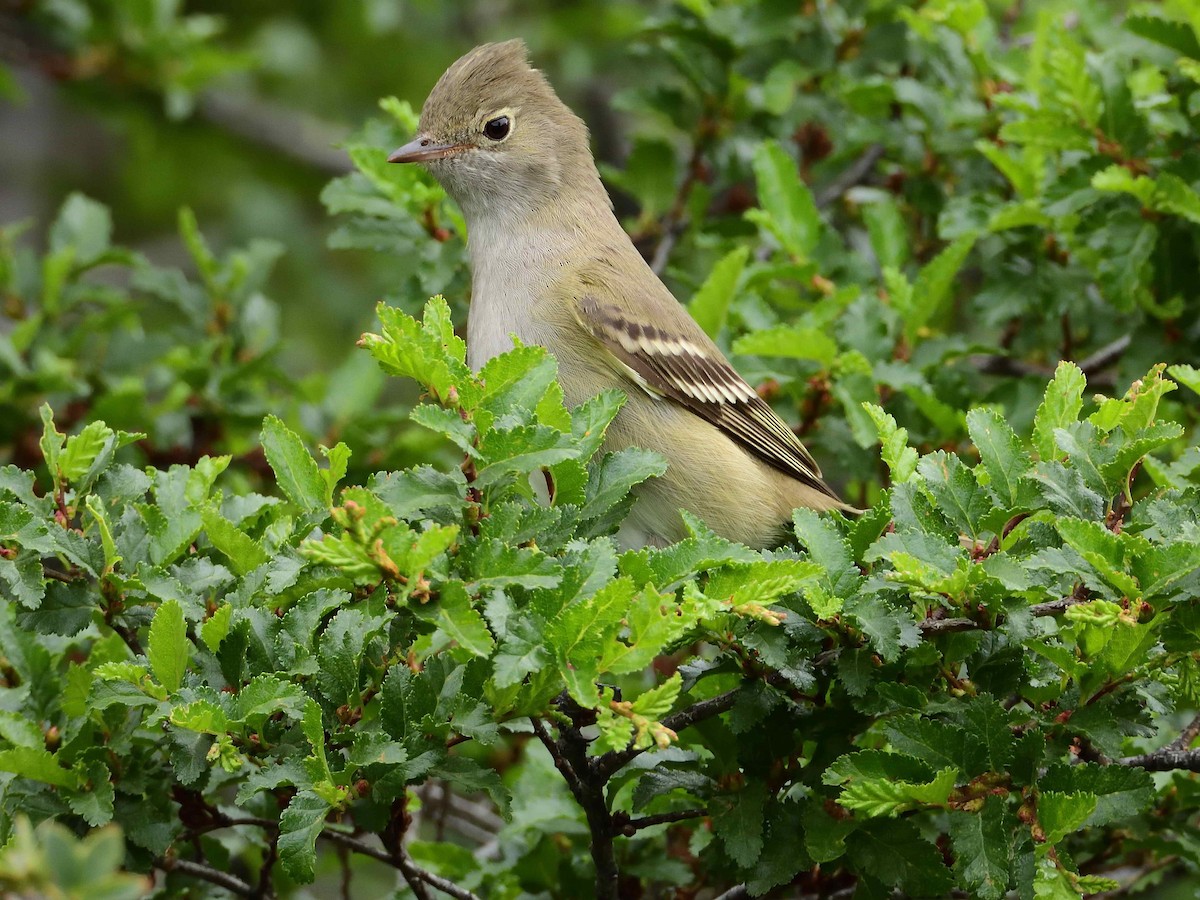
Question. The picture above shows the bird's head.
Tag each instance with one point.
(497, 137)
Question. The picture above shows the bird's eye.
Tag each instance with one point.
(497, 129)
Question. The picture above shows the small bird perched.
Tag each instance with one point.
(551, 264)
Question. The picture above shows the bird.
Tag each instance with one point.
(551, 264)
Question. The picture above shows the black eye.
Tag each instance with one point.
(497, 129)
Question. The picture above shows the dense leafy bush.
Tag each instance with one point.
(265, 627)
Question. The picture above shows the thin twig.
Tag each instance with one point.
(629, 827)
(931, 627)
(350, 842)
(1165, 760)
(610, 762)
(737, 892)
(672, 225)
(206, 873)
(1105, 356)
(850, 176)
(1184, 741)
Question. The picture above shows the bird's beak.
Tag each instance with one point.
(423, 149)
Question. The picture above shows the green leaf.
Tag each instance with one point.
(242, 551)
(788, 209)
(879, 797)
(1105, 551)
(169, 649)
(1063, 814)
(82, 449)
(955, 491)
(710, 304)
(901, 459)
(1002, 455)
(1170, 33)
(932, 289)
(51, 443)
(893, 851)
(578, 635)
(296, 470)
(1060, 407)
(738, 821)
(790, 342)
(216, 627)
(889, 234)
(427, 351)
(982, 843)
(462, 621)
(299, 826)
(38, 764)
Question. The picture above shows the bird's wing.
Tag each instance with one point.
(698, 377)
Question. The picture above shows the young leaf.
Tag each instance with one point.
(297, 472)
(710, 304)
(1060, 407)
(169, 648)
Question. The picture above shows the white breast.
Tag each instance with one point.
(510, 269)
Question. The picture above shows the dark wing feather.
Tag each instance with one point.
(700, 379)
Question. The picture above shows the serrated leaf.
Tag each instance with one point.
(169, 648)
(901, 459)
(982, 843)
(462, 621)
(955, 491)
(790, 342)
(879, 797)
(1062, 814)
(738, 822)
(38, 764)
(82, 449)
(296, 470)
(1060, 407)
(1001, 454)
(239, 548)
(299, 826)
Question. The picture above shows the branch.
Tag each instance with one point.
(1165, 760)
(629, 827)
(609, 763)
(207, 873)
(850, 176)
(393, 840)
(737, 892)
(930, 627)
(672, 223)
(587, 785)
(1186, 736)
(350, 842)
(1105, 356)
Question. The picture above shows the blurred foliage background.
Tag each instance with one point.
(236, 110)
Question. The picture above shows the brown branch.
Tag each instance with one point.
(586, 781)
(629, 827)
(609, 763)
(672, 224)
(1105, 356)
(930, 627)
(362, 847)
(850, 176)
(1184, 741)
(231, 883)
(1164, 760)
(393, 840)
